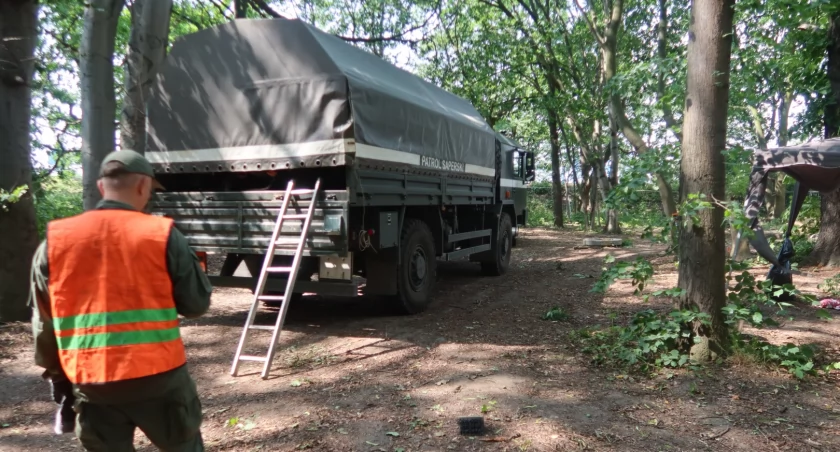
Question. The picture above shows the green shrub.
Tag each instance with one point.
(831, 286)
(651, 340)
(57, 197)
(640, 272)
(556, 314)
(798, 360)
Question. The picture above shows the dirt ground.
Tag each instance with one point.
(352, 377)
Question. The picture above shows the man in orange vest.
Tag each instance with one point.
(107, 287)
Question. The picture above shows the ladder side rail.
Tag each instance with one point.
(258, 291)
(290, 283)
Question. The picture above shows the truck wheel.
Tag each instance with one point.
(416, 272)
(501, 249)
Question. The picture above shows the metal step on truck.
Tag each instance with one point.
(408, 173)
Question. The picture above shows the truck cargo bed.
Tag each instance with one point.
(242, 222)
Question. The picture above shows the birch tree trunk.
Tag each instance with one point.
(702, 247)
(146, 50)
(96, 61)
(18, 233)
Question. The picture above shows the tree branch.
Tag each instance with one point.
(589, 23)
(264, 7)
(74, 51)
(392, 38)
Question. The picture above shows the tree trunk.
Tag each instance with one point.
(576, 189)
(240, 9)
(779, 206)
(827, 249)
(832, 110)
(702, 247)
(743, 248)
(612, 226)
(609, 52)
(96, 61)
(586, 187)
(18, 35)
(761, 141)
(662, 53)
(556, 182)
(770, 193)
(146, 50)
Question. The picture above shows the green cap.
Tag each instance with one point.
(132, 162)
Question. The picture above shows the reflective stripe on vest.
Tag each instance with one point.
(111, 297)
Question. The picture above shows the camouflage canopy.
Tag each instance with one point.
(814, 165)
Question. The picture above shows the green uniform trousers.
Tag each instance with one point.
(172, 423)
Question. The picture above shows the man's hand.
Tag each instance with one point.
(60, 388)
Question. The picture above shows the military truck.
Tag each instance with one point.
(409, 173)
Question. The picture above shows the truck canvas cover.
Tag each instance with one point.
(271, 91)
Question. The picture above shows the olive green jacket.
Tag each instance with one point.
(191, 290)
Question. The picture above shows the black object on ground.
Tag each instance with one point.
(472, 425)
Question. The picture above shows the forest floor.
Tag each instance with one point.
(350, 376)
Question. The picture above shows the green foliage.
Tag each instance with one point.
(540, 205)
(556, 314)
(674, 292)
(57, 197)
(651, 340)
(745, 302)
(689, 210)
(488, 407)
(639, 272)
(8, 198)
(831, 286)
(798, 360)
(649, 233)
(748, 296)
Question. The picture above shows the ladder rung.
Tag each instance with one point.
(289, 241)
(278, 269)
(253, 358)
(290, 210)
(262, 327)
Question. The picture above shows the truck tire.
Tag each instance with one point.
(418, 265)
(501, 249)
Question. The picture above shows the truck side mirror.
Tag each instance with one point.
(530, 167)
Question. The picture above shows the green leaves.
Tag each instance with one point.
(650, 340)
(797, 359)
(556, 314)
(9, 198)
(639, 272)
(691, 208)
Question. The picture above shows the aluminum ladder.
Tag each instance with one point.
(267, 268)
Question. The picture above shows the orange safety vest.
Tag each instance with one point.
(111, 296)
